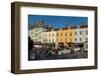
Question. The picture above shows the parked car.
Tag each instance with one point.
(65, 51)
(76, 49)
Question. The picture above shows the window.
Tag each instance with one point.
(49, 34)
(70, 40)
(80, 32)
(61, 40)
(86, 39)
(43, 40)
(52, 34)
(86, 45)
(53, 40)
(75, 33)
(70, 34)
(65, 40)
(86, 32)
(80, 39)
(61, 34)
(46, 40)
(66, 34)
(57, 34)
(49, 40)
(35, 34)
(75, 39)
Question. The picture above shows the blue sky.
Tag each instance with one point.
(58, 21)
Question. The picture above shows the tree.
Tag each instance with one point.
(30, 43)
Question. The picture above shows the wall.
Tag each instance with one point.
(5, 42)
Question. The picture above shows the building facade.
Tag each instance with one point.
(61, 39)
(35, 32)
(81, 35)
(65, 37)
(49, 36)
(49, 39)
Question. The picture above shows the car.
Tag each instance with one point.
(65, 51)
(76, 49)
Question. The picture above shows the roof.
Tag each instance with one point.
(40, 24)
(83, 26)
(73, 27)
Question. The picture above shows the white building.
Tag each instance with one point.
(35, 32)
(49, 36)
(81, 34)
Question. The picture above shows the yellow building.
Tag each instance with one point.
(65, 37)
